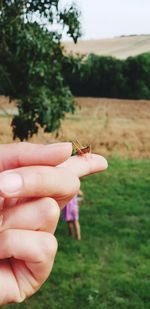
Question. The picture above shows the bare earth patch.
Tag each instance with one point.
(111, 126)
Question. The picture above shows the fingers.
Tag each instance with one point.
(57, 182)
(42, 214)
(26, 239)
(36, 250)
(39, 181)
(86, 164)
(25, 154)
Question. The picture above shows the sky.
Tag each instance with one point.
(111, 18)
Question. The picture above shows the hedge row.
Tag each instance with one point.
(100, 76)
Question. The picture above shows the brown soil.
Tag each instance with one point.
(111, 126)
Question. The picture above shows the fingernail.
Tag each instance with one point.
(105, 163)
(10, 183)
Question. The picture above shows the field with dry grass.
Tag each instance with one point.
(111, 126)
(119, 47)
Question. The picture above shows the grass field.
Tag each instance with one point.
(109, 268)
(119, 47)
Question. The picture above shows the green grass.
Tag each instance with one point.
(109, 268)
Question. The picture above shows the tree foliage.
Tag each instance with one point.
(31, 62)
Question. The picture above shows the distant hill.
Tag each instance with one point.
(119, 47)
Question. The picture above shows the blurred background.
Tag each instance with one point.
(82, 70)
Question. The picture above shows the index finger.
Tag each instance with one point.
(60, 181)
(84, 165)
(25, 154)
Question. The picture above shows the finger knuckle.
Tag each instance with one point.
(50, 209)
(21, 147)
(49, 247)
(74, 185)
(6, 239)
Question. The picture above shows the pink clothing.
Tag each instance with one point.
(71, 210)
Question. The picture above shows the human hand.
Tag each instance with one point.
(48, 178)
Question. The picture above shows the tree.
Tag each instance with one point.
(94, 75)
(31, 59)
(137, 76)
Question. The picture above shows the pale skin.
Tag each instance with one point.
(35, 182)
